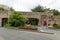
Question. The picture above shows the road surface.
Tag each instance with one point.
(10, 34)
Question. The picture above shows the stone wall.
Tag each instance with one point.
(57, 20)
(3, 14)
(38, 15)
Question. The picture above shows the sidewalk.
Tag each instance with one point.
(46, 30)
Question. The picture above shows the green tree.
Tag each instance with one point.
(16, 19)
(56, 12)
(11, 9)
(38, 9)
(48, 10)
(2, 9)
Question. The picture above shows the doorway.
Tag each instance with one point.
(4, 20)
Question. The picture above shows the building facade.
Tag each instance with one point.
(45, 19)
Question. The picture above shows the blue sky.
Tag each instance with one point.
(26, 5)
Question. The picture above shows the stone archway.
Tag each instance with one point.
(44, 20)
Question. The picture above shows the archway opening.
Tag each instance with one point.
(4, 21)
(32, 21)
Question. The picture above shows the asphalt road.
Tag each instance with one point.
(10, 34)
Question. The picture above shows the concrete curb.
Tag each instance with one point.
(31, 31)
(46, 32)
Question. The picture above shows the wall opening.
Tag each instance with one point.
(32, 21)
(4, 21)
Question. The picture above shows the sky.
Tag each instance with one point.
(27, 5)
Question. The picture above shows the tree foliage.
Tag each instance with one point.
(56, 12)
(11, 9)
(38, 9)
(2, 9)
(16, 19)
(42, 9)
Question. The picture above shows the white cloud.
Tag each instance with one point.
(26, 5)
(6, 2)
(56, 5)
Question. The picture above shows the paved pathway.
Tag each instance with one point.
(10, 34)
(57, 31)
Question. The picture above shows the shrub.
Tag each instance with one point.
(7, 25)
(2, 9)
(16, 19)
(32, 21)
(56, 26)
(29, 27)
